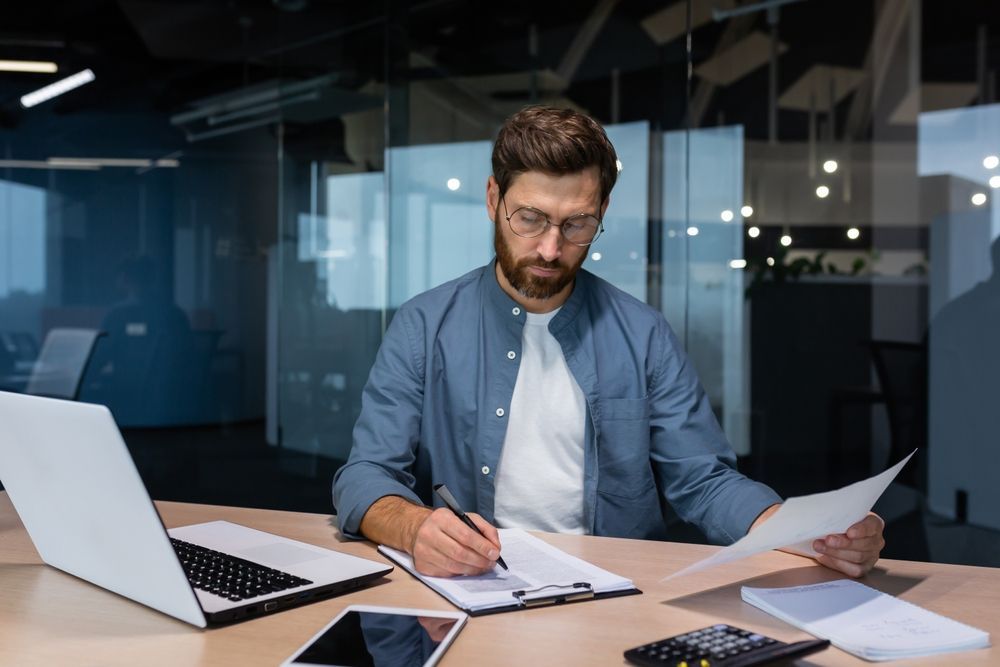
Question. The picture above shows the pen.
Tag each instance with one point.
(452, 504)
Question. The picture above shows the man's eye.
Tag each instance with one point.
(528, 218)
(574, 227)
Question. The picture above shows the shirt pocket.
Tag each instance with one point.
(623, 448)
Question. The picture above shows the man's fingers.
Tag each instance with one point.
(487, 529)
(851, 569)
(870, 526)
(443, 557)
(834, 542)
(476, 544)
(441, 547)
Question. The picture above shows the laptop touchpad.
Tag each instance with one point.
(278, 553)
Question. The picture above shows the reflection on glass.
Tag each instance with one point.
(964, 366)
(702, 295)
(437, 233)
(368, 639)
(622, 246)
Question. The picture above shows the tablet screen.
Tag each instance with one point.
(370, 639)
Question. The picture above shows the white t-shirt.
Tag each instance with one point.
(539, 482)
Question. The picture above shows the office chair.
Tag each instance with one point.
(62, 362)
(901, 369)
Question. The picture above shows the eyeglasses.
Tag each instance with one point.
(527, 222)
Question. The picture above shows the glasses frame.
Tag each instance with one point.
(549, 223)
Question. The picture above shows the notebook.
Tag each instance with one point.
(866, 622)
(72, 481)
(539, 574)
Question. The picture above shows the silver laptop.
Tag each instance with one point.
(72, 481)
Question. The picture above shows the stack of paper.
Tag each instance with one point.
(864, 621)
(537, 570)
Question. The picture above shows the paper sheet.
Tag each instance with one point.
(864, 621)
(533, 564)
(801, 520)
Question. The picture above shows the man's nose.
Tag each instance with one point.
(550, 243)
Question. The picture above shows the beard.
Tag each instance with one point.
(522, 279)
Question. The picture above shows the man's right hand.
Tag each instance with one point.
(445, 547)
(441, 545)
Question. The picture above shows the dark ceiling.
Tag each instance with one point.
(157, 56)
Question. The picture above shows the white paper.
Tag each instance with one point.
(864, 621)
(533, 564)
(801, 520)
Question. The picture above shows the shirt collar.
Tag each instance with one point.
(502, 302)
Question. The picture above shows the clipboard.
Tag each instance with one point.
(563, 594)
(524, 598)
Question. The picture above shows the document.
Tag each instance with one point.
(801, 520)
(538, 572)
(864, 621)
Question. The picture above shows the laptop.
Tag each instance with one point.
(72, 481)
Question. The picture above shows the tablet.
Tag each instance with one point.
(367, 636)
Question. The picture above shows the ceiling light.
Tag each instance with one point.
(995, 181)
(786, 240)
(746, 211)
(737, 264)
(753, 232)
(726, 215)
(40, 66)
(853, 233)
(978, 199)
(822, 192)
(618, 165)
(830, 166)
(991, 161)
(42, 164)
(692, 231)
(596, 256)
(97, 162)
(58, 88)
(454, 184)
(770, 261)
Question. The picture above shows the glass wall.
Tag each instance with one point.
(212, 235)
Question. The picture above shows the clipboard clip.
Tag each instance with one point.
(543, 595)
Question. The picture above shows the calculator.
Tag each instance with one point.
(720, 646)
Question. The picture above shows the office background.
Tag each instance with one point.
(245, 192)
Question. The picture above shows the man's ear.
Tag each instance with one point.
(492, 197)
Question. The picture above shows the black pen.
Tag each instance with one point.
(452, 504)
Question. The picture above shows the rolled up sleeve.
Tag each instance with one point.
(693, 462)
(388, 428)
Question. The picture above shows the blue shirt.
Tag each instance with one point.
(436, 406)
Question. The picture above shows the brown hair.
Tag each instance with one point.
(553, 141)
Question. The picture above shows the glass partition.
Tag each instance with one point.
(222, 223)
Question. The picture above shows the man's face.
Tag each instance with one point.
(541, 269)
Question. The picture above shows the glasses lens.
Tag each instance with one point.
(581, 229)
(528, 222)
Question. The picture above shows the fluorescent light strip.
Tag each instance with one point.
(84, 162)
(57, 88)
(40, 66)
(88, 163)
(41, 164)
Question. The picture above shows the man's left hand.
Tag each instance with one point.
(855, 551)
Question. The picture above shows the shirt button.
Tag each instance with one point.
(516, 311)
(486, 470)
(511, 354)
(499, 412)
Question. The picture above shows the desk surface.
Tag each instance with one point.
(48, 617)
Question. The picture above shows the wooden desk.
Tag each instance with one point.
(50, 618)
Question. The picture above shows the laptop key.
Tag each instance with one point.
(228, 576)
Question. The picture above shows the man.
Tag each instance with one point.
(544, 397)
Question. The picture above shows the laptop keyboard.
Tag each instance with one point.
(228, 576)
